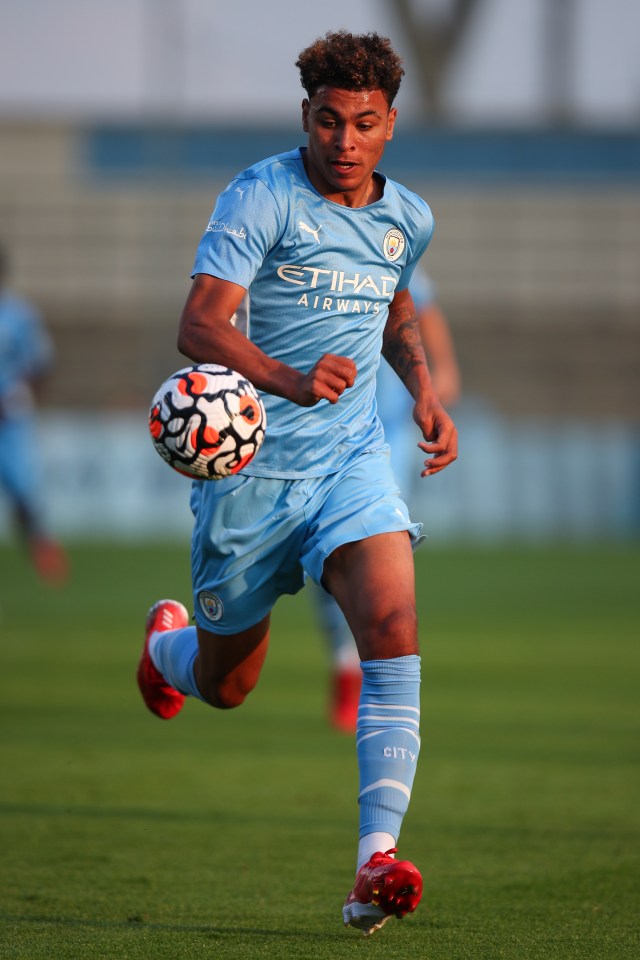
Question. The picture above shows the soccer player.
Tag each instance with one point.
(326, 247)
(394, 408)
(26, 354)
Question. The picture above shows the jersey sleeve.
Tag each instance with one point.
(246, 223)
(420, 230)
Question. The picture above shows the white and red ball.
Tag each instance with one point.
(207, 421)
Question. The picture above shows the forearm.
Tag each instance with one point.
(207, 335)
(402, 348)
(218, 341)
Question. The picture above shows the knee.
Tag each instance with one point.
(224, 697)
(224, 694)
(390, 633)
(399, 625)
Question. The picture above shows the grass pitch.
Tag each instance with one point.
(233, 834)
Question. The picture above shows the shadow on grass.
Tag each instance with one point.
(135, 813)
(139, 923)
(483, 830)
(122, 813)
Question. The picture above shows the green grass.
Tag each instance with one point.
(233, 834)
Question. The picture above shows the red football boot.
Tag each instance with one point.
(384, 888)
(50, 560)
(161, 699)
(346, 683)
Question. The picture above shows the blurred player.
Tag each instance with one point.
(401, 433)
(326, 247)
(26, 355)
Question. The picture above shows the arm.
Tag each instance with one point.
(438, 343)
(206, 335)
(402, 348)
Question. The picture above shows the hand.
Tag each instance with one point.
(327, 380)
(440, 436)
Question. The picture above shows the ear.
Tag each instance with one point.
(305, 115)
(391, 122)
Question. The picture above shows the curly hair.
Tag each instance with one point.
(351, 62)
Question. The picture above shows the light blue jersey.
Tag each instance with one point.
(320, 277)
(25, 352)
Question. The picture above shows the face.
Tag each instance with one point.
(348, 130)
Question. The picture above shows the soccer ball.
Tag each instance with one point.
(207, 421)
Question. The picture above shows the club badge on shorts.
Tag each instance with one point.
(211, 605)
(393, 244)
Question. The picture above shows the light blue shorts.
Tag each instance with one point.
(257, 538)
(19, 472)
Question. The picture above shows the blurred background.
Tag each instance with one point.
(518, 122)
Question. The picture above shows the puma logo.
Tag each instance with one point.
(307, 229)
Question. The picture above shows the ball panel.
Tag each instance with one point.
(207, 421)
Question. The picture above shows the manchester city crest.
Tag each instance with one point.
(211, 605)
(393, 244)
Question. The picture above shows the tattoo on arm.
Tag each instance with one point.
(401, 343)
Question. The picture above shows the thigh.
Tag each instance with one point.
(359, 502)
(373, 581)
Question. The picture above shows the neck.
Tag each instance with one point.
(370, 192)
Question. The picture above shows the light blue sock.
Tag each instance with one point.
(388, 742)
(173, 653)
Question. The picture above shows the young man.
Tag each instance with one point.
(326, 247)
(26, 355)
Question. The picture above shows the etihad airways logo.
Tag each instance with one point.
(337, 281)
